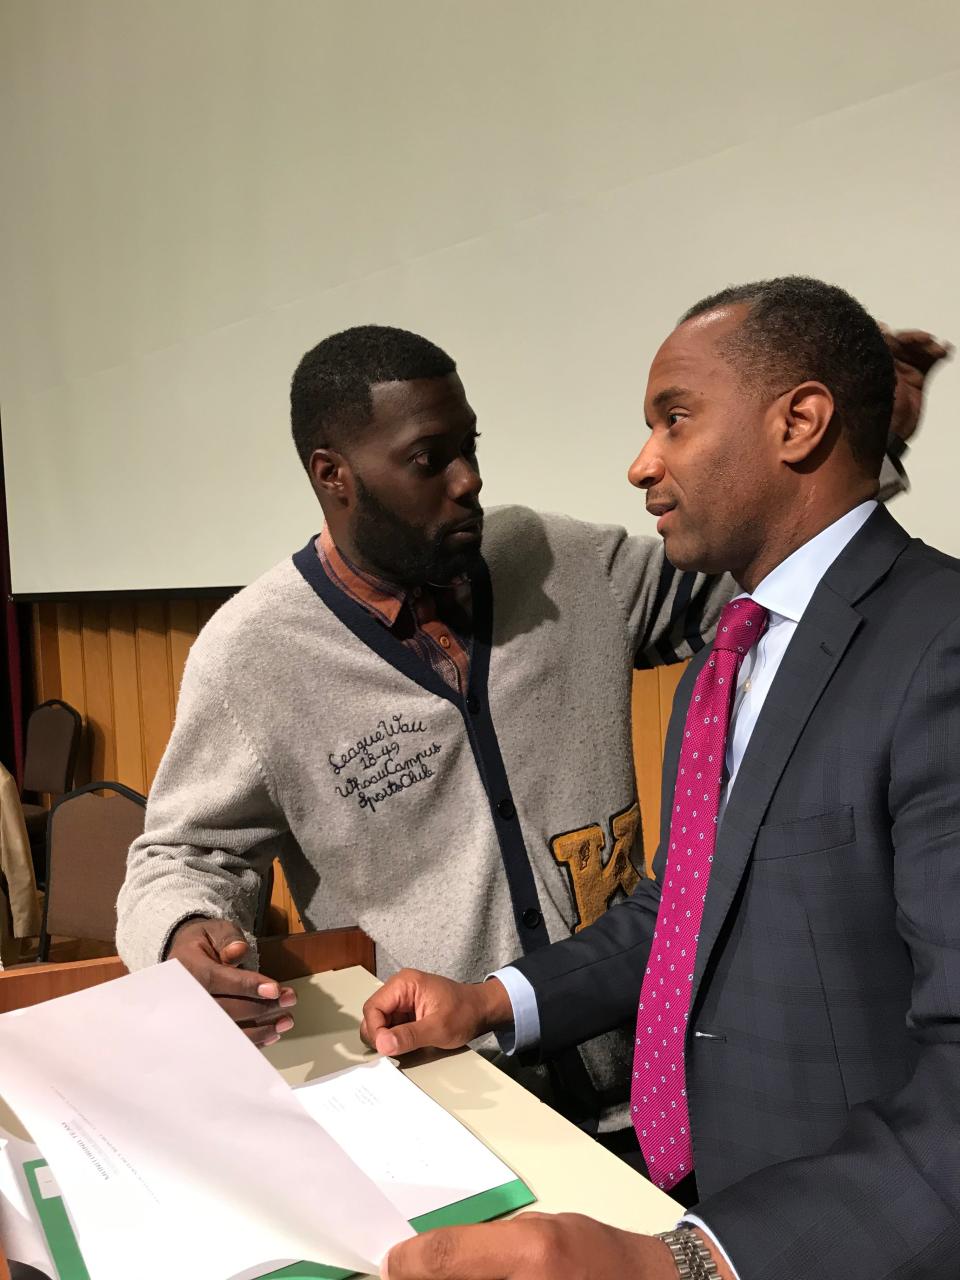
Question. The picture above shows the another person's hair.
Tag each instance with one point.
(330, 398)
(799, 329)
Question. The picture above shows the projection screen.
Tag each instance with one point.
(197, 191)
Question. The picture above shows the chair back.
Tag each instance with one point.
(53, 739)
(87, 841)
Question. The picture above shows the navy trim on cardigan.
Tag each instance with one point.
(475, 710)
(667, 647)
(693, 634)
(531, 929)
(571, 1079)
(366, 628)
(665, 582)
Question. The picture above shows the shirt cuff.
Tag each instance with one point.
(525, 1032)
(691, 1220)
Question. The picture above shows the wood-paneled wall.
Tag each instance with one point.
(652, 700)
(120, 664)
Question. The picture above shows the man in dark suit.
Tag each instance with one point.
(794, 968)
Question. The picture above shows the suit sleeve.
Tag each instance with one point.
(884, 1201)
(670, 615)
(590, 983)
(213, 827)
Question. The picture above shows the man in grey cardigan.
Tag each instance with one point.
(434, 742)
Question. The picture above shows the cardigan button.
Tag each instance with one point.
(531, 917)
(505, 808)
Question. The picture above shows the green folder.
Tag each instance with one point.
(66, 1254)
(52, 1213)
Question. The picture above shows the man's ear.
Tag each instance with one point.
(806, 416)
(332, 477)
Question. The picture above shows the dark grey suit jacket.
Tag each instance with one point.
(823, 1048)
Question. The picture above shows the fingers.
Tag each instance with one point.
(244, 994)
(212, 950)
(249, 997)
(917, 349)
(491, 1251)
(396, 1021)
(374, 1021)
(244, 1011)
(224, 980)
(265, 1034)
(233, 952)
(423, 1010)
(430, 1032)
(394, 1002)
(920, 338)
(223, 934)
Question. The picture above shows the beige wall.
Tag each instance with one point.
(198, 190)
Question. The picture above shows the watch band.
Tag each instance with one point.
(691, 1256)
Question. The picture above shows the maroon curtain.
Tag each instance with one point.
(12, 676)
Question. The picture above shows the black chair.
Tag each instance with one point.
(53, 741)
(88, 836)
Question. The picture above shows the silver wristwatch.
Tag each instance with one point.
(690, 1254)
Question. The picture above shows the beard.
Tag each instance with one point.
(405, 553)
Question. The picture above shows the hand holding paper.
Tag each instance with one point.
(176, 1144)
(213, 950)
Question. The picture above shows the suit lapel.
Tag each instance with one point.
(822, 637)
(820, 641)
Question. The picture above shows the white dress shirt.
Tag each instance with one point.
(785, 593)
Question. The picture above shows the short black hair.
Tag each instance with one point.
(330, 399)
(797, 329)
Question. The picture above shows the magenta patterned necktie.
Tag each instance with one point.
(659, 1093)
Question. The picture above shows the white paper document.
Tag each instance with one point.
(178, 1148)
(420, 1157)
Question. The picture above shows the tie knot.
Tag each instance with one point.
(741, 626)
